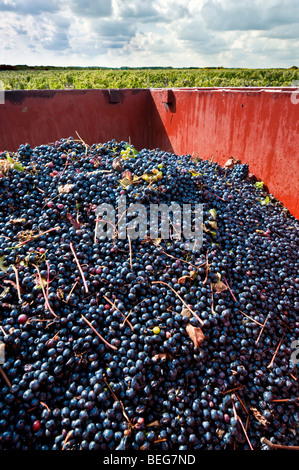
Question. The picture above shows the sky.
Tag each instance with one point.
(144, 33)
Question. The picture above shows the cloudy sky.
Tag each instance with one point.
(177, 33)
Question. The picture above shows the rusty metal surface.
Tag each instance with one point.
(260, 126)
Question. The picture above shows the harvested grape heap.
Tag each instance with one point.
(140, 344)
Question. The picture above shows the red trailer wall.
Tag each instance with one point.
(43, 116)
(258, 126)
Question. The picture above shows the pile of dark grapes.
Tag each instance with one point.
(98, 355)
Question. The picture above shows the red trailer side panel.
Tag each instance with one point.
(258, 126)
(43, 116)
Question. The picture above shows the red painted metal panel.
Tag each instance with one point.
(258, 126)
(42, 116)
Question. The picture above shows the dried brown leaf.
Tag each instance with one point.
(231, 162)
(116, 165)
(183, 279)
(196, 334)
(186, 312)
(258, 415)
(219, 286)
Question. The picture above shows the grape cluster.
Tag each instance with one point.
(98, 350)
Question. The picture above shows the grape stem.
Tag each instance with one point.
(277, 446)
(97, 333)
(17, 282)
(229, 289)
(113, 305)
(48, 306)
(79, 267)
(5, 377)
(186, 305)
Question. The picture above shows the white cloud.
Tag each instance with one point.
(114, 34)
(139, 10)
(233, 15)
(30, 7)
(91, 8)
(179, 33)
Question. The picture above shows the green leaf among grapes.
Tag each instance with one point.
(129, 152)
(17, 166)
(128, 179)
(213, 213)
(194, 173)
(154, 176)
(14, 164)
(265, 201)
(125, 182)
(259, 184)
(9, 158)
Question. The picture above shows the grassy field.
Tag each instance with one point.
(26, 78)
